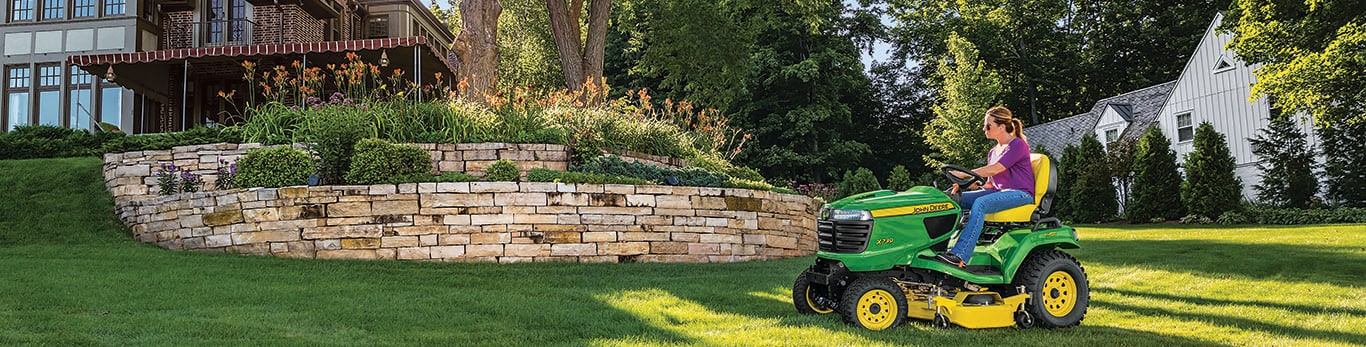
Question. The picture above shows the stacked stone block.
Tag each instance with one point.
(483, 221)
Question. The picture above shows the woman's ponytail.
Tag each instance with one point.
(1019, 129)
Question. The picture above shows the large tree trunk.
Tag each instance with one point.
(476, 47)
(581, 64)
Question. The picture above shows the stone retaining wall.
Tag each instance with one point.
(481, 221)
(132, 175)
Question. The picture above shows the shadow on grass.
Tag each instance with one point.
(1304, 309)
(1240, 323)
(1338, 266)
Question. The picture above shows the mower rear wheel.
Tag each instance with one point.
(1058, 290)
(811, 298)
(874, 303)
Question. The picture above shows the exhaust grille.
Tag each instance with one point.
(843, 236)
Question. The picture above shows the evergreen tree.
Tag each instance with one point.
(1070, 169)
(900, 179)
(968, 90)
(857, 181)
(1119, 156)
(1344, 167)
(1287, 165)
(1156, 188)
(1211, 188)
(1093, 194)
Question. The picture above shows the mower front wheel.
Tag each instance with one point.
(811, 298)
(874, 303)
(1058, 290)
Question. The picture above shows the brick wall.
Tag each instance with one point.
(483, 221)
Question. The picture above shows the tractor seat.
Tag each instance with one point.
(1045, 184)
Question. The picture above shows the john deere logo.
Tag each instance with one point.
(914, 209)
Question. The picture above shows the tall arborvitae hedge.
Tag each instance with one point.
(1069, 167)
(1344, 167)
(1211, 188)
(900, 179)
(1093, 193)
(1287, 165)
(1157, 185)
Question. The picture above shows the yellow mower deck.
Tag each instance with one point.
(1000, 313)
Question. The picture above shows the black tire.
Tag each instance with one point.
(941, 321)
(1058, 289)
(874, 303)
(811, 298)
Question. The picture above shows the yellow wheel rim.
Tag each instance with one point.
(812, 304)
(877, 309)
(1059, 293)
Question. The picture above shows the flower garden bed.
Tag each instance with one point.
(471, 221)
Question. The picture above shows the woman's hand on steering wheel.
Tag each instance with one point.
(959, 182)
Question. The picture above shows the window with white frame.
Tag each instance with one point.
(1184, 130)
(1111, 135)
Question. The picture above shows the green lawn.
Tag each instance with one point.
(72, 276)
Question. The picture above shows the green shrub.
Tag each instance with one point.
(547, 175)
(332, 133)
(613, 165)
(274, 167)
(378, 161)
(735, 182)
(899, 179)
(542, 175)
(1195, 219)
(785, 191)
(1288, 216)
(502, 170)
(1093, 190)
(1156, 187)
(1232, 217)
(1211, 186)
(745, 173)
(857, 181)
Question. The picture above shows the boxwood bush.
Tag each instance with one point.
(378, 161)
(274, 167)
(503, 170)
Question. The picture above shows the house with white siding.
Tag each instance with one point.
(1214, 87)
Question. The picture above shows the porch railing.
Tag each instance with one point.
(214, 33)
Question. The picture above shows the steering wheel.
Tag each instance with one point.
(962, 182)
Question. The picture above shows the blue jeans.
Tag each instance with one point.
(983, 202)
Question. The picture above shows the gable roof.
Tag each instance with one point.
(1143, 105)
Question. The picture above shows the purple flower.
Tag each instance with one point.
(232, 169)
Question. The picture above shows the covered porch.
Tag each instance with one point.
(184, 83)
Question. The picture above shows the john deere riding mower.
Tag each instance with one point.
(876, 263)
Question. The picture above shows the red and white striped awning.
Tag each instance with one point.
(251, 50)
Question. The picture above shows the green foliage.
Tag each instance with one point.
(1308, 54)
(332, 133)
(1211, 186)
(1119, 160)
(1232, 217)
(378, 161)
(858, 181)
(1287, 216)
(658, 45)
(806, 98)
(1344, 168)
(526, 49)
(1157, 187)
(430, 178)
(548, 175)
(1195, 219)
(274, 167)
(1287, 165)
(46, 141)
(1070, 167)
(502, 170)
(612, 165)
(969, 89)
(900, 179)
(1093, 192)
